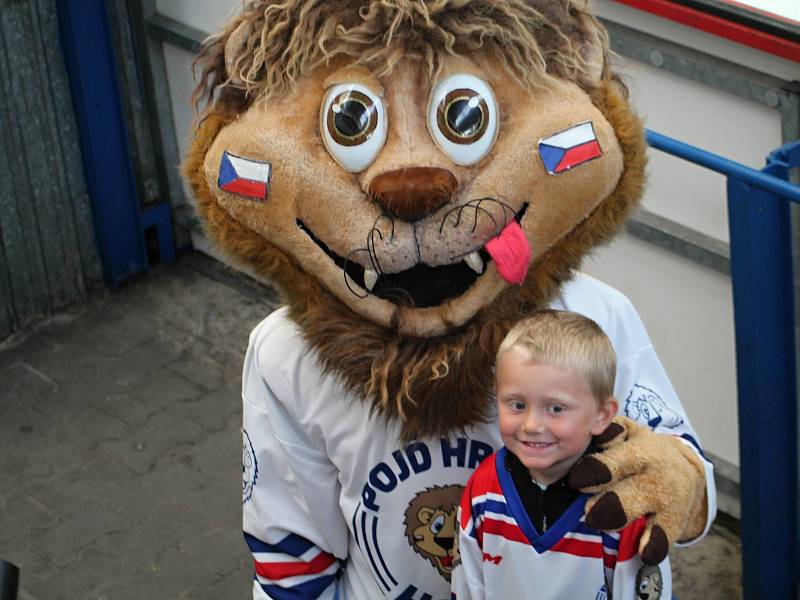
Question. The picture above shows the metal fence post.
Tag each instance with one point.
(121, 227)
(762, 278)
(89, 57)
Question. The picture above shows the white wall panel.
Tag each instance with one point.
(697, 114)
(688, 312)
(205, 15)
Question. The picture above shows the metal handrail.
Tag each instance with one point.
(728, 167)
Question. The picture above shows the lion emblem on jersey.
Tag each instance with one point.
(431, 526)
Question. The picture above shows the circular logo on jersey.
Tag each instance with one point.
(249, 467)
(649, 583)
(647, 407)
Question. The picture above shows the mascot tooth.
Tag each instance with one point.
(474, 262)
(370, 278)
(415, 177)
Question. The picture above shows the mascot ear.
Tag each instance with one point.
(235, 47)
(425, 514)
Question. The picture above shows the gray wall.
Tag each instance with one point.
(48, 257)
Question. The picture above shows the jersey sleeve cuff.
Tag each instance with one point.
(711, 493)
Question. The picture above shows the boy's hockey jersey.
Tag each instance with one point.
(333, 502)
(503, 556)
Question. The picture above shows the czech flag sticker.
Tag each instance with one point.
(243, 176)
(569, 148)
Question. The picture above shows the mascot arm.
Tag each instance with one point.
(652, 463)
(291, 518)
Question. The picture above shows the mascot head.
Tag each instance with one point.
(415, 176)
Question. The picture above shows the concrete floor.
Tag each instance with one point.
(120, 447)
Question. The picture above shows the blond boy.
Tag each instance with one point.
(521, 527)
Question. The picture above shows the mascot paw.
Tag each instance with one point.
(641, 473)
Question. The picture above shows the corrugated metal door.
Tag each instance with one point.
(47, 250)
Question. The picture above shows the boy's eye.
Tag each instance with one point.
(518, 405)
(555, 409)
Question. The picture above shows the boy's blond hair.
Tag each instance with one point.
(566, 340)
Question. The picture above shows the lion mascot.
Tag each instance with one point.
(415, 176)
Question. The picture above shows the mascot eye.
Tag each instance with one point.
(438, 524)
(353, 125)
(462, 118)
(351, 118)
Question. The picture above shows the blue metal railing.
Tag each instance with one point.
(763, 306)
(717, 163)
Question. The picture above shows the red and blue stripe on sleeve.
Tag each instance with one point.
(293, 568)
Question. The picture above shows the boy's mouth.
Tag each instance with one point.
(537, 445)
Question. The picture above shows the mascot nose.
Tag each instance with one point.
(445, 542)
(414, 192)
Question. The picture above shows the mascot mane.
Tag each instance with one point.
(429, 385)
(262, 52)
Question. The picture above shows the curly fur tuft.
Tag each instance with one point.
(270, 45)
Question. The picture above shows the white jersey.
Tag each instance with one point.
(335, 503)
(504, 556)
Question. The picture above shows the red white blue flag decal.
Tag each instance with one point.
(244, 176)
(569, 148)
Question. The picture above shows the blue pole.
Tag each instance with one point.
(761, 270)
(89, 58)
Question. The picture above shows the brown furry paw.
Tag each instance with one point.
(642, 473)
(607, 513)
(612, 431)
(656, 547)
(588, 472)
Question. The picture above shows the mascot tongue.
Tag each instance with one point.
(511, 253)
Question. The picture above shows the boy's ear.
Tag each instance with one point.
(605, 414)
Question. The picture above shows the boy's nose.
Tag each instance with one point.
(533, 423)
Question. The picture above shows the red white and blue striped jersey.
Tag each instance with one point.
(502, 555)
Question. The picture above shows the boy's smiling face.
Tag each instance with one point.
(547, 415)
